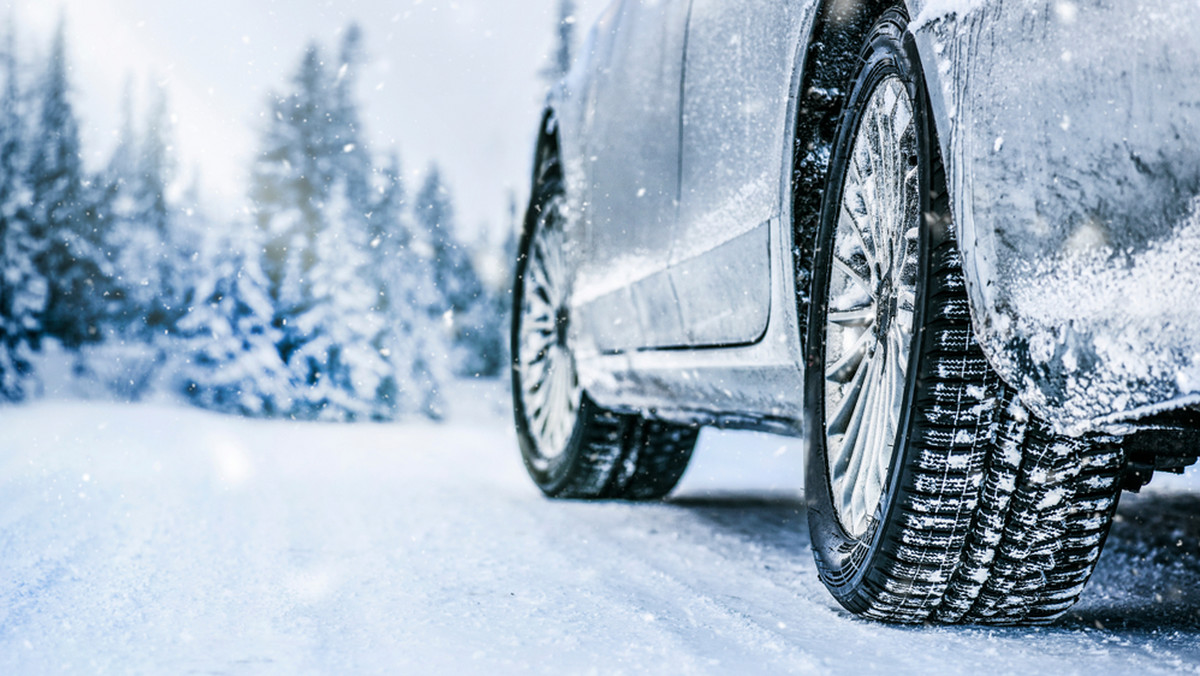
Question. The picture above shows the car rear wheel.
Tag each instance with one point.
(572, 447)
(933, 495)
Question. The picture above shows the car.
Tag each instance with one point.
(952, 245)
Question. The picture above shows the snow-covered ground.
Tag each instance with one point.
(154, 538)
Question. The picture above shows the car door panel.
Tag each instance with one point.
(737, 87)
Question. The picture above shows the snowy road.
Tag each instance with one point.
(158, 539)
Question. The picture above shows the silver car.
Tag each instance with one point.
(955, 245)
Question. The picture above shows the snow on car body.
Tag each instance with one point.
(1070, 131)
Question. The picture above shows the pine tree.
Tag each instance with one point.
(144, 250)
(291, 182)
(313, 199)
(229, 347)
(354, 163)
(126, 247)
(156, 217)
(454, 275)
(339, 364)
(462, 300)
(69, 254)
(191, 232)
(503, 296)
(412, 339)
(22, 289)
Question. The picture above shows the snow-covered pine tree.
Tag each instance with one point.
(354, 162)
(191, 232)
(413, 340)
(463, 301)
(311, 208)
(404, 283)
(503, 291)
(125, 246)
(291, 180)
(22, 289)
(139, 244)
(512, 235)
(69, 254)
(156, 217)
(228, 345)
(338, 365)
(139, 231)
(486, 322)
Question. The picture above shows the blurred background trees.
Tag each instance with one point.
(334, 296)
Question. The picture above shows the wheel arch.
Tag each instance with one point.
(1048, 194)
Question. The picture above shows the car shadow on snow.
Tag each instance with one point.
(1147, 580)
(775, 522)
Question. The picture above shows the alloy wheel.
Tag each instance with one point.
(549, 382)
(872, 296)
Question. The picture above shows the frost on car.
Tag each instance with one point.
(1076, 178)
(951, 244)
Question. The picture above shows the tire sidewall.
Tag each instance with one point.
(845, 561)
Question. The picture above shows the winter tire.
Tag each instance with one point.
(933, 496)
(573, 448)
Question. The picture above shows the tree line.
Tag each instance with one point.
(338, 296)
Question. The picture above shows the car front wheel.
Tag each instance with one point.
(933, 495)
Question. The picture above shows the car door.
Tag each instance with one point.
(623, 291)
(739, 69)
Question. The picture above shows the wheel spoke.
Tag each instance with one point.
(859, 273)
(839, 422)
(871, 443)
(857, 440)
(858, 317)
(845, 369)
(854, 218)
(876, 470)
(553, 387)
(543, 323)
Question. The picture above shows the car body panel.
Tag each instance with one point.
(1078, 222)
(724, 294)
(1071, 132)
(754, 384)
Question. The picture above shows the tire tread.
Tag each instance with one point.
(1001, 520)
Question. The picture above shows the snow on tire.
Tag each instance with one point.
(948, 502)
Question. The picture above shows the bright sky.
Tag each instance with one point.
(451, 80)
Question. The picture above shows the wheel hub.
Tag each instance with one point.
(561, 320)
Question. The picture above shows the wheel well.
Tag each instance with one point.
(830, 62)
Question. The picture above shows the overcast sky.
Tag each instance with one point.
(451, 80)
